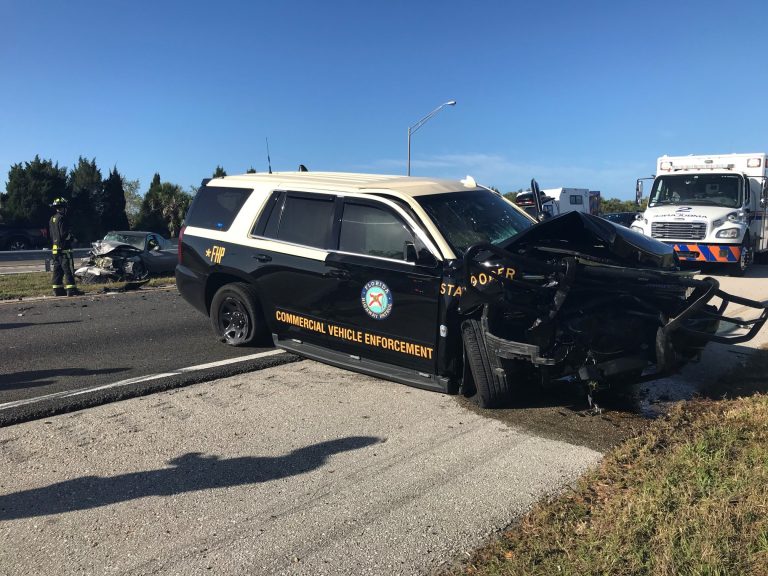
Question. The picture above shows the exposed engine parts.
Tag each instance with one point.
(110, 262)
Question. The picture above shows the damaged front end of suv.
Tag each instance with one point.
(580, 297)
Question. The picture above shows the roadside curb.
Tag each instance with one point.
(140, 386)
(141, 290)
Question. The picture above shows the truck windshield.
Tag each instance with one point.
(466, 218)
(698, 189)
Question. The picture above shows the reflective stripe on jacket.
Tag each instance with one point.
(60, 233)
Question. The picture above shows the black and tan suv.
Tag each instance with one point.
(441, 284)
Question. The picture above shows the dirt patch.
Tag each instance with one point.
(562, 412)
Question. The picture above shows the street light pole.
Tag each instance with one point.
(419, 124)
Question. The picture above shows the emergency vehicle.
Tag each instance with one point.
(557, 201)
(710, 208)
(440, 284)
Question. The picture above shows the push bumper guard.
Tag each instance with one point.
(704, 291)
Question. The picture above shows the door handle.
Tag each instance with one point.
(262, 257)
(340, 274)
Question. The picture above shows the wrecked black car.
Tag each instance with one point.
(443, 284)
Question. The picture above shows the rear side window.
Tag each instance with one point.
(215, 207)
(306, 220)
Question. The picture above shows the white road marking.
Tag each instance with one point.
(136, 380)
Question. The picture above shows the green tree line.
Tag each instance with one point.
(97, 204)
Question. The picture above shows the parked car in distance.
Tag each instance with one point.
(158, 254)
(22, 237)
(623, 218)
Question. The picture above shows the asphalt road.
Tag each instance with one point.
(56, 346)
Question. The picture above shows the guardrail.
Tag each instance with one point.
(37, 255)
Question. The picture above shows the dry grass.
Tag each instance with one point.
(16, 286)
(687, 497)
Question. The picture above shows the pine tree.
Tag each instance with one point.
(219, 172)
(30, 190)
(150, 215)
(113, 216)
(86, 185)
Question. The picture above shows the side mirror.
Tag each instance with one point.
(425, 258)
(638, 191)
(409, 252)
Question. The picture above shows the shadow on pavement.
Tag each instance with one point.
(31, 378)
(10, 325)
(189, 473)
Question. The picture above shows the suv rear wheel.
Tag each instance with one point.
(235, 318)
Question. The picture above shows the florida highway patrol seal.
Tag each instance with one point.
(376, 299)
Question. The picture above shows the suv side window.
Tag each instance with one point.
(373, 231)
(306, 219)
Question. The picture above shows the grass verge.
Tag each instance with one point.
(16, 286)
(689, 496)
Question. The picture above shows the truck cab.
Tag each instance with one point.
(710, 208)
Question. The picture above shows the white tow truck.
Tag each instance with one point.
(710, 208)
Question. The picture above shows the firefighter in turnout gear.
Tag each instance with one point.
(63, 279)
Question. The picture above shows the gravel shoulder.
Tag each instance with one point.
(301, 469)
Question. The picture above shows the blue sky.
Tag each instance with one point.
(583, 94)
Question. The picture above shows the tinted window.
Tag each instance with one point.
(466, 218)
(215, 207)
(307, 220)
(577, 199)
(373, 231)
(269, 219)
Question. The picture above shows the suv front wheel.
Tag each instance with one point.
(235, 318)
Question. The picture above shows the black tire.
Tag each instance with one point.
(745, 260)
(492, 390)
(18, 243)
(235, 317)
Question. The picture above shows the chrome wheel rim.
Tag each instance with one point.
(234, 322)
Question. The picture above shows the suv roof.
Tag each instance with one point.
(350, 182)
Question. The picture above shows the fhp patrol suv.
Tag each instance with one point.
(441, 284)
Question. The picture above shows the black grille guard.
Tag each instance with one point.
(704, 291)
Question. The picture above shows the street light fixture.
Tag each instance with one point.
(420, 123)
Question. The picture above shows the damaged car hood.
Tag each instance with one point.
(106, 247)
(578, 233)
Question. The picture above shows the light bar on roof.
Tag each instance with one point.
(708, 166)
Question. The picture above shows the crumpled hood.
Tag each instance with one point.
(106, 247)
(590, 234)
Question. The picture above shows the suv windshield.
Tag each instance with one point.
(466, 218)
(700, 189)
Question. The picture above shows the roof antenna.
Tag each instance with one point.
(269, 162)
